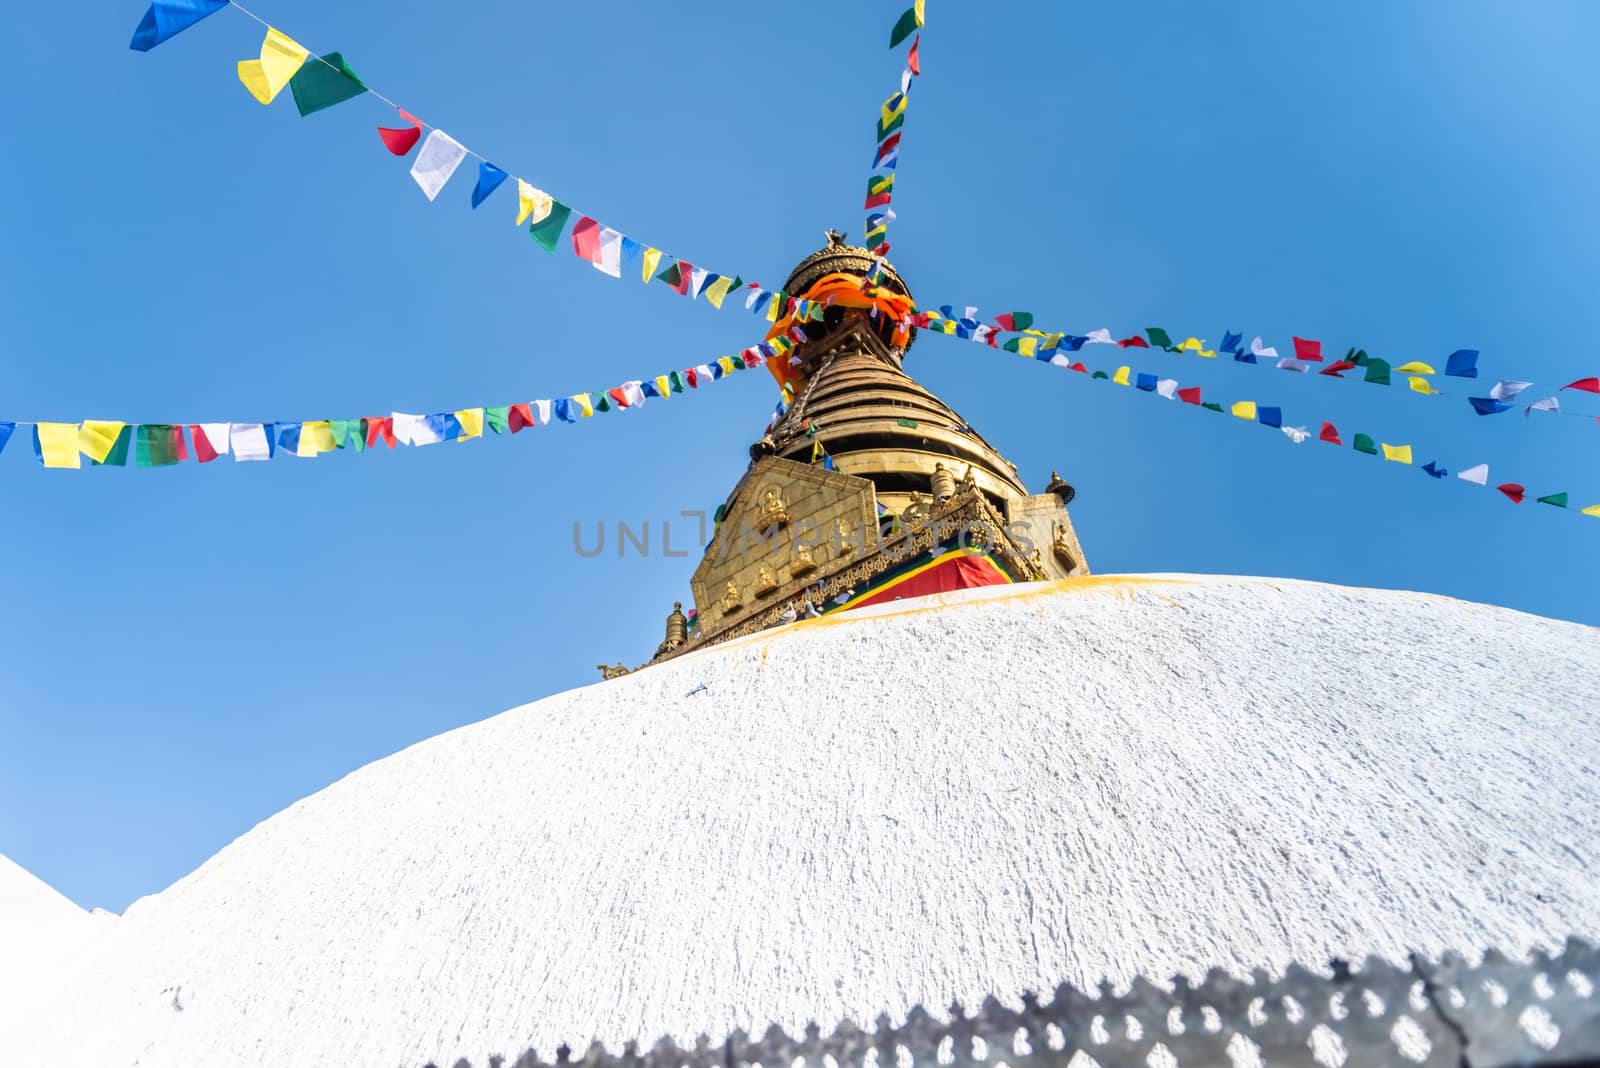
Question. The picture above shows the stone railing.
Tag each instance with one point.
(1500, 1012)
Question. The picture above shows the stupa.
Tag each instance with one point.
(868, 488)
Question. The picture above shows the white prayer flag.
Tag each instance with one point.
(436, 162)
(1256, 349)
(1288, 364)
(610, 260)
(249, 441)
(1549, 404)
(217, 434)
(414, 430)
(697, 279)
(541, 409)
(1507, 390)
(703, 372)
(1167, 387)
(1296, 434)
(1478, 476)
(1100, 337)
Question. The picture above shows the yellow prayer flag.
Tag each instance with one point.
(315, 438)
(1121, 377)
(58, 444)
(97, 437)
(727, 364)
(280, 59)
(1245, 410)
(918, 6)
(532, 203)
(471, 420)
(1400, 454)
(1415, 367)
(1422, 385)
(1593, 509)
(652, 260)
(717, 291)
(774, 307)
(585, 405)
(1027, 346)
(664, 386)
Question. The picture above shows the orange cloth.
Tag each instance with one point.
(845, 291)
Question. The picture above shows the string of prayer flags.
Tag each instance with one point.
(441, 154)
(323, 82)
(280, 59)
(907, 24)
(165, 19)
(400, 141)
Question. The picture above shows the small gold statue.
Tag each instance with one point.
(846, 546)
(773, 511)
(766, 581)
(731, 601)
(616, 672)
(1062, 548)
(803, 564)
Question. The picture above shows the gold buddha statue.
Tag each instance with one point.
(766, 581)
(803, 564)
(1062, 548)
(773, 511)
(731, 601)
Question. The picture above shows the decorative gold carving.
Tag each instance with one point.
(766, 581)
(943, 484)
(731, 601)
(846, 546)
(1061, 546)
(803, 564)
(615, 672)
(1061, 488)
(916, 513)
(773, 511)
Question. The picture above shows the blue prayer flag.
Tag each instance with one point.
(1230, 343)
(489, 179)
(1146, 383)
(563, 409)
(1245, 357)
(1487, 405)
(630, 250)
(649, 389)
(1434, 469)
(5, 434)
(289, 436)
(1463, 363)
(165, 19)
(1073, 342)
(1270, 416)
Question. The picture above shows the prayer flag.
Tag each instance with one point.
(1258, 350)
(1306, 349)
(652, 257)
(210, 440)
(1488, 405)
(1559, 500)
(1507, 390)
(489, 179)
(165, 19)
(471, 420)
(1165, 387)
(316, 438)
(1230, 342)
(1337, 368)
(1159, 338)
(1296, 434)
(118, 456)
(1421, 385)
(698, 276)
(1190, 395)
(1592, 510)
(1462, 363)
(717, 290)
(403, 140)
(1398, 454)
(251, 441)
(1121, 377)
(600, 245)
(280, 59)
(906, 24)
(520, 417)
(1513, 491)
(1415, 367)
(1377, 371)
(416, 430)
(1478, 476)
(1099, 337)
(1288, 364)
(541, 411)
(97, 437)
(1434, 470)
(380, 429)
(1588, 385)
(631, 250)
(547, 231)
(345, 432)
(56, 444)
(1134, 342)
(1548, 404)
(1364, 443)
(436, 162)
(7, 428)
(1195, 345)
(323, 82)
(913, 62)
(1244, 409)
(1144, 382)
(1212, 406)
(495, 417)
(158, 445)
(1330, 434)
(532, 203)
(1014, 320)
(1269, 416)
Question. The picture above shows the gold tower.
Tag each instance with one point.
(868, 483)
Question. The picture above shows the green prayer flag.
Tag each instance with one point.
(675, 379)
(547, 231)
(498, 418)
(1158, 337)
(904, 27)
(671, 274)
(601, 404)
(340, 429)
(1557, 499)
(118, 456)
(1213, 405)
(1099, 374)
(1377, 371)
(1356, 356)
(155, 445)
(1023, 320)
(1364, 443)
(893, 125)
(323, 83)
(358, 434)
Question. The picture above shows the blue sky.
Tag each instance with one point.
(192, 649)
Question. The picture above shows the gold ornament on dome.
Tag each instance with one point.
(803, 564)
(766, 581)
(731, 601)
(774, 513)
(1062, 548)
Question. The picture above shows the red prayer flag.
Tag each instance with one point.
(586, 239)
(1190, 395)
(1588, 385)
(1330, 434)
(1513, 491)
(1006, 321)
(180, 449)
(380, 429)
(619, 395)
(685, 278)
(690, 377)
(203, 449)
(404, 139)
(877, 200)
(1134, 342)
(1079, 367)
(887, 145)
(752, 358)
(1307, 350)
(520, 417)
(912, 62)
(1333, 369)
